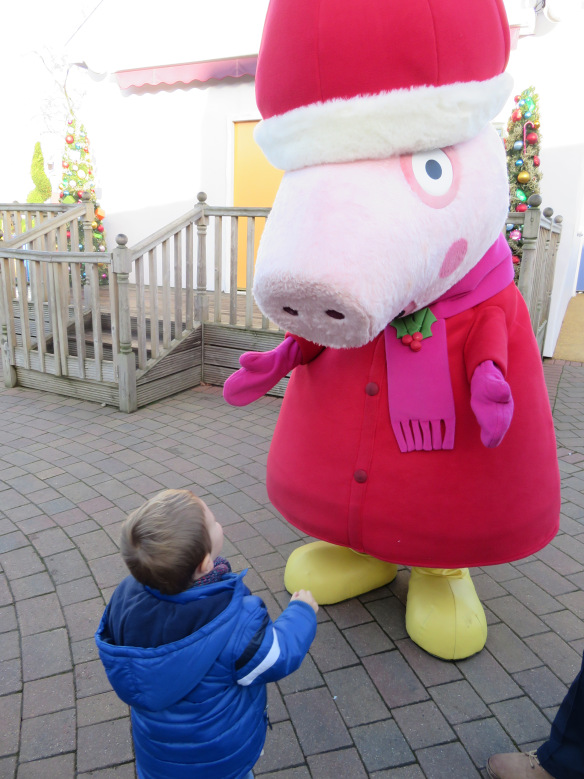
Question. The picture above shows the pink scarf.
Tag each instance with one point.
(421, 403)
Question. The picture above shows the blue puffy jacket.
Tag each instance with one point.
(193, 667)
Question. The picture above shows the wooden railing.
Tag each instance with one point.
(156, 296)
(133, 341)
(171, 294)
(49, 294)
(168, 256)
(541, 238)
(233, 217)
(19, 218)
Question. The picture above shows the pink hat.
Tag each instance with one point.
(342, 80)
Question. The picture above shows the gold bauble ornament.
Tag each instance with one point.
(536, 125)
(523, 177)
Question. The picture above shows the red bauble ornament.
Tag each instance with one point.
(531, 138)
(86, 149)
(516, 115)
(80, 194)
(68, 232)
(517, 98)
(100, 228)
(65, 164)
(61, 195)
(521, 207)
(536, 161)
(69, 138)
(516, 260)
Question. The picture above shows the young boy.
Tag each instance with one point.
(186, 645)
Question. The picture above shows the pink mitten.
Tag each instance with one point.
(260, 371)
(491, 402)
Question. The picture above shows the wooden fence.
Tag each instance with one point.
(159, 327)
(140, 337)
(541, 239)
(50, 296)
(19, 218)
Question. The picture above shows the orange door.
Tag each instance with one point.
(255, 185)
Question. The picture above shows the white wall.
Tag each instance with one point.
(552, 64)
(147, 151)
(157, 148)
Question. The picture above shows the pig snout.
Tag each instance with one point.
(312, 309)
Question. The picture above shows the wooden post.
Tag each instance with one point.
(88, 216)
(7, 334)
(233, 270)
(189, 266)
(201, 299)
(8, 370)
(92, 275)
(249, 270)
(121, 266)
(549, 273)
(218, 264)
(530, 236)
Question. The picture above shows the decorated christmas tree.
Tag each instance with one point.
(78, 178)
(523, 163)
(42, 185)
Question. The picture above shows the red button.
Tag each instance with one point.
(360, 476)
(372, 388)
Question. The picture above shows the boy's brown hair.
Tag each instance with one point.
(164, 541)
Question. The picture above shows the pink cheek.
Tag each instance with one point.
(454, 258)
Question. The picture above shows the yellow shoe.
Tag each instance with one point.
(335, 573)
(444, 614)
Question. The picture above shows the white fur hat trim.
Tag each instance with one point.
(383, 125)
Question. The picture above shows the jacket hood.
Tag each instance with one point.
(148, 678)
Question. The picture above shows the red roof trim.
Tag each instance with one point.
(187, 73)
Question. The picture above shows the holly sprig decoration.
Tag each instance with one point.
(413, 328)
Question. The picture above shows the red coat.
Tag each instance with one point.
(336, 473)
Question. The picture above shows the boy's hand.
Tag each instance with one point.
(307, 597)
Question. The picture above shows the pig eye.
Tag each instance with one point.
(433, 171)
(434, 176)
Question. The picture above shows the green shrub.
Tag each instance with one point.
(42, 190)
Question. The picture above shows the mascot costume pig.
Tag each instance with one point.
(415, 429)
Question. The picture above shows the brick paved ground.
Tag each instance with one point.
(366, 702)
